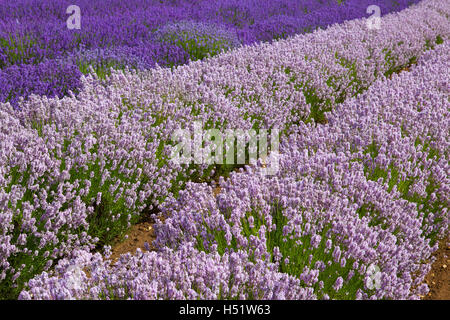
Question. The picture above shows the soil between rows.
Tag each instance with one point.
(438, 279)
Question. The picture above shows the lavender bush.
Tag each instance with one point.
(199, 40)
(182, 274)
(325, 238)
(74, 174)
(367, 187)
(51, 78)
(398, 131)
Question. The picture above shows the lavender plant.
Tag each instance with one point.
(322, 222)
(183, 274)
(51, 78)
(74, 172)
(142, 57)
(199, 40)
(311, 231)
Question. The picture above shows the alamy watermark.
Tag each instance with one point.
(75, 278)
(373, 280)
(374, 21)
(74, 21)
(215, 147)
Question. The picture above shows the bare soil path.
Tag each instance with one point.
(439, 278)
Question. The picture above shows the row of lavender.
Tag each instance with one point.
(349, 215)
(288, 81)
(40, 55)
(77, 169)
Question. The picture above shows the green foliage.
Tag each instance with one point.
(298, 251)
(17, 49)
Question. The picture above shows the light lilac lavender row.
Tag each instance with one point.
(132, 101)
(328, 221)
(320, 183)
(75, 172)
(182, 274)
(399, 129)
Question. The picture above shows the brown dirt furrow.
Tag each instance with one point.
(438, 279)
(138, 235)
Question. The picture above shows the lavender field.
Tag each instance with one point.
(281, 149)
